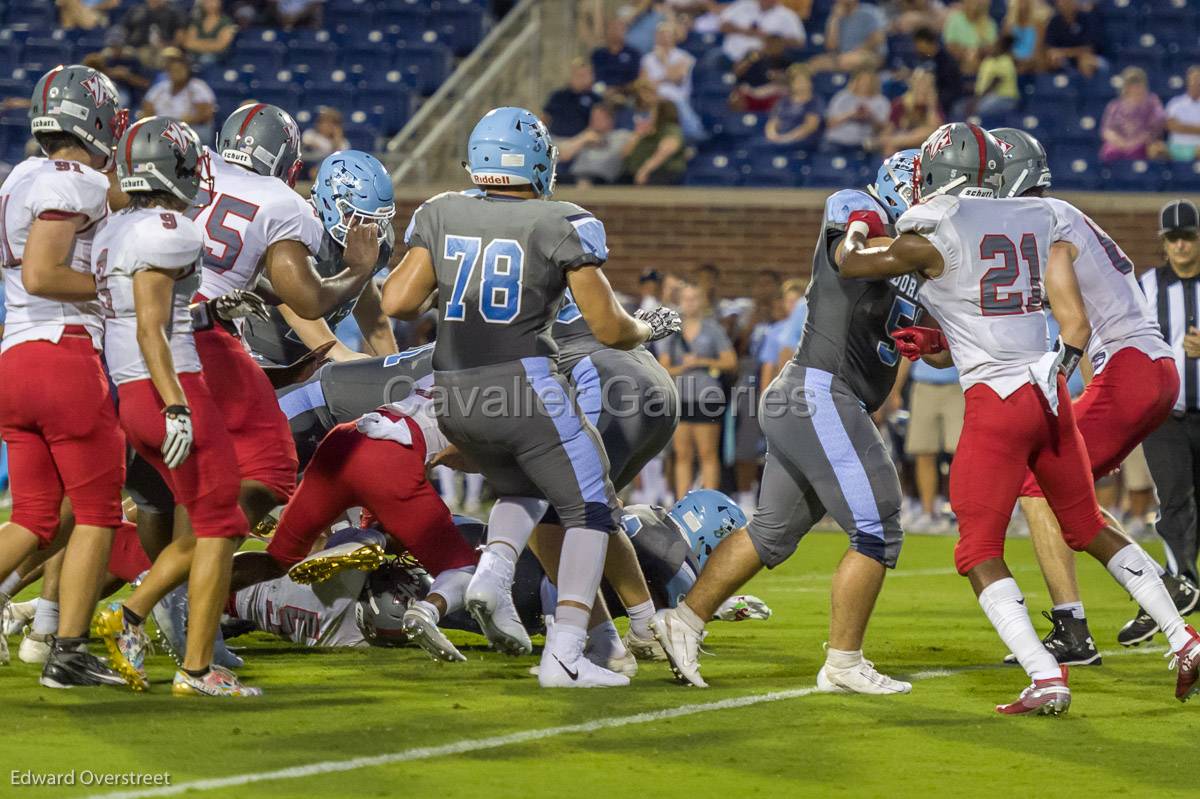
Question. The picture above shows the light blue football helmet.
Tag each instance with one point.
(352, 184)
(511, 147)
(894, 182)
(706, 516)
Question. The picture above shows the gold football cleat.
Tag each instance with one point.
(321, 566)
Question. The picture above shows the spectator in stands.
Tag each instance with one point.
(697, 358)
(1025, 21)
(783, 335)
(616, 64)
(669, 69)
(796, 119)
(1133, 122)
(1183, 120)
(123, 67)
(326, 136)
(292, 14)
(914, 115)
(969, 33)
(934, 58)
(1074, 36)
(655, 153)
(745, 23)
(650, 289)
(909, 16)
(707, 278)
(182, 96)
(935, 422)
(761, 76)
(85, 14)
(151, 26)
(568, 109)
(855, 37)
(996, 89)
(597, 154)
(856, 114)
(210, 33)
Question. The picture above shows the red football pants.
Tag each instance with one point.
(58, 419)
(388, 479)
(1001, 439)
(243, 393)
(1119, 408)
(206, 483)
(127, 559)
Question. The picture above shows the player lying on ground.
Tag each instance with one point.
(824, 453)
(982, 261)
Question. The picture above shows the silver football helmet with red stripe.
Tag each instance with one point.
(162, 154)
(264, 139)
(958, 159)
(80, 101)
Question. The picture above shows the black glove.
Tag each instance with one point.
(662, 320)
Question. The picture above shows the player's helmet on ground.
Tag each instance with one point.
(390, 590)
(162, 154)
(351, 184)
(894, 182)
(82, 102)
(1025, 163)
(264, 139)
(706, 516)
(511, 147)
(958, 159)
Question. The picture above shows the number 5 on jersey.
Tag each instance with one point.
(499, 284)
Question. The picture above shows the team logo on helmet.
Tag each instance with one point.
(99, 88)
(344, 177)
(943, 139)
(177, 136)
(1006, 147)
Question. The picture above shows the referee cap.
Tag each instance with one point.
(1179, 215)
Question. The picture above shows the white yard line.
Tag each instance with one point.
(497, 741)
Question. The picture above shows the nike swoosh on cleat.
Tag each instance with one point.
(574, 675)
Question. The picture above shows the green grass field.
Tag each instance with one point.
(1125, 736)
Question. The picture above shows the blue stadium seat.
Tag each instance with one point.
(424, 66)
(362, 137)
(1152, 59)
(391, 101)
(1131, 176)
(312, 57)
(40, 17)
(776, 170)
(309, 37)
(230, 96)
(90, 41)
(1185, 177)
(1059, 88)
(284, 95)
(1078, 129)
(700, 43)
(826, 84)
(716, 170)
(260, 56)
(833, 170)
(14, 133)
(461, 26)
(367, 62)
(742, 127)
(41, 54)
(339, 7)
(409, 16)
(359, 17)
(10, 59)
(333, 93)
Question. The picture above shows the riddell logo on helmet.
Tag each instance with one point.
(493, 180)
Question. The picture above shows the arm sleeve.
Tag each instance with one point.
(170, 246)
(583, 241)
(292, 219)
(70, 192)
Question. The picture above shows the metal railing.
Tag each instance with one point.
(518, 63)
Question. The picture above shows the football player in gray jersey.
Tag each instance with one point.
(350, 186)
(824, 453)
(499, 261)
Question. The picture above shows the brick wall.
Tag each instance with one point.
(742, 230)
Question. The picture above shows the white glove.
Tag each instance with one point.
(662, 320)
(178, 442)
(741, 608)
(237, 304)
(1044, 372)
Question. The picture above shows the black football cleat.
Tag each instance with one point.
(1142, 628)
(76, 669)
(1069, 640)
(1138, 630)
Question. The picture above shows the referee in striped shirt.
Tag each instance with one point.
(1173, 450)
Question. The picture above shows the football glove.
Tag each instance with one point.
(913, 342)
(178, 442)
(741, 608)
(226, 308)
(662, 320)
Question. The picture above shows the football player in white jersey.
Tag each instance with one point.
(1134, 385)
(982, 260)
(254, 223)
(56, 410)
(147, 263)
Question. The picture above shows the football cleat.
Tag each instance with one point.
(1187, 660)
(643, 648)
(77, 669)
(126, 645)
(20, 615)
(1044, 697)
(1142, 627)
(218, 682)
(681, 645)
(576, 672)
(489, 601)
(322, 565)
(170, 621)
(1137, 630)
(741, 608)
(35, 647)
(1069, 640)
(625, 663)
(861, 678)
(422, 629)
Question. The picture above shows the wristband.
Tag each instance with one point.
(1070, 360)
(177, 410)
(202, 318)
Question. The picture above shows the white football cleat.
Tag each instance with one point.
(625, 663)
(423, 630)
(681, 645)
(577, 672)
(35, 648)
(741, 608)
(861, 678)
(489, 601)
(643, 648)
(4, 614)
(20, 615)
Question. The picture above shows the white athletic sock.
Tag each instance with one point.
(639, 619)
(1134, 570)
(10, 584)
(843, 658)
(1005, 609)
(451, 586)
(580, 569)
(689, 617)
(1075, 608)
(654, 482)
(447, 483)
(511, 523)
(474, 489)
(565, 640)
(45, 618)
(605, 641)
